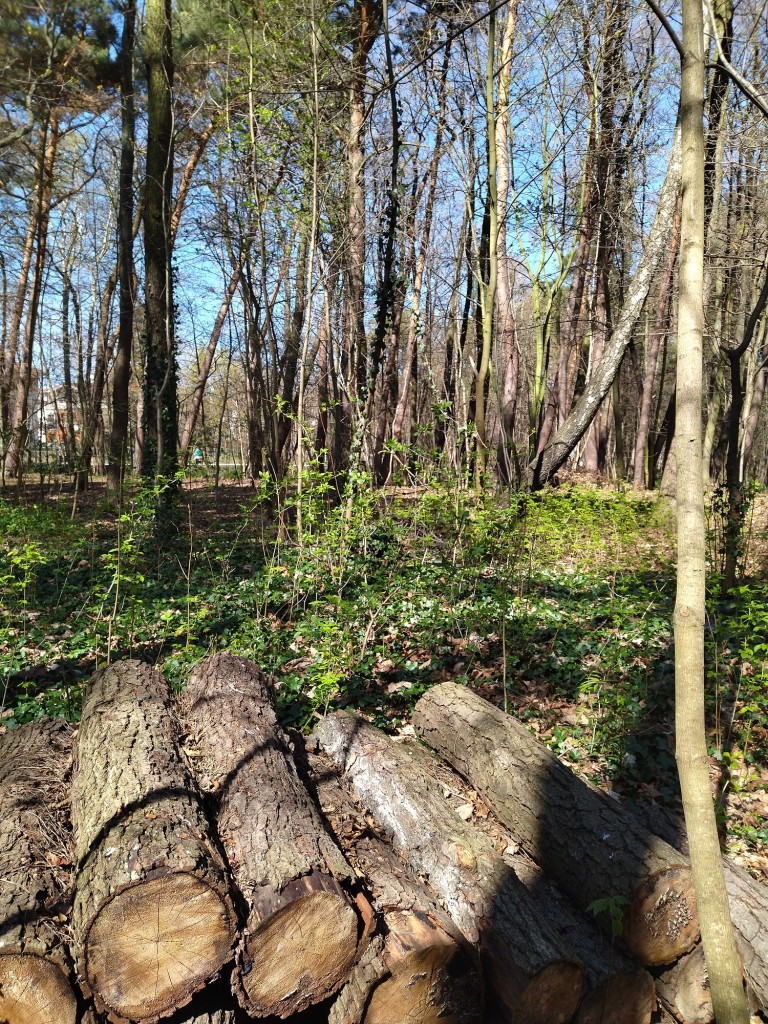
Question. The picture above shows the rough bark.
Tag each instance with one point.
(555, 453)
(159, 451)
(483, 897)
(153, 918)
(121, 373)
(35, 874)
(422, 971)
(584, 841)
(302, 933)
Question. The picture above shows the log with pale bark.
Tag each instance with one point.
(533, 974)
(153, 916)
(421, 969)
(35, 873)
(585, 841)
(302, 934)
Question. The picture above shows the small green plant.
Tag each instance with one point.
(614, 908)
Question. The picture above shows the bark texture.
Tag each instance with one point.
(483, 897)
(422, 970)
(584, 841)
(152, 913)
(35, 874)
(302, 933)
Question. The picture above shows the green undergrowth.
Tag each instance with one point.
(557, 606)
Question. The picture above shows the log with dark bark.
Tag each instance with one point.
(302, 934)
(584, 840)
(422, 970)
(35, 873)
(153, 916)
(527, 964)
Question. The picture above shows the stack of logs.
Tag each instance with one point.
(182, 860)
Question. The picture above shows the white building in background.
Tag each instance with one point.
(47, 420)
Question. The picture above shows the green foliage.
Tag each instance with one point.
(557, 606)
(613, 906)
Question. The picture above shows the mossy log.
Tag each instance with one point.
(35, 874)
(422, 971)
(586, 842)
(302, 934)
(528, 966)
(153, 916)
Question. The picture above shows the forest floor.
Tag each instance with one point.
(556, 606)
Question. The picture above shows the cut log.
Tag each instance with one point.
(622, 999)
(584, 840)
(685, 986)
(422, 971)
(483, 897)
(35, 874)
(748, 901)
(153, 917)
(302, 934)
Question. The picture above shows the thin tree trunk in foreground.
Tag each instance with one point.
(723, 966)
(301, 936)
(526, 962)
(35, 765)
(153, 918)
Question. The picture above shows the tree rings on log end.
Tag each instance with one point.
(300, 954)
(34, 991)
(627, 998)
(662, 922)
(552, 996)
(155, 943)
(417, 990)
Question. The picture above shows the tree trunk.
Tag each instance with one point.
(205, 369)
(640, 477)
(159, 450)
(153, 918)
(422, 971)
(121, 374)
(35, 867)
(720, 950)
(539, 799)
(555, 453)
(301, 936)
(18, 420)
(524, 959)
